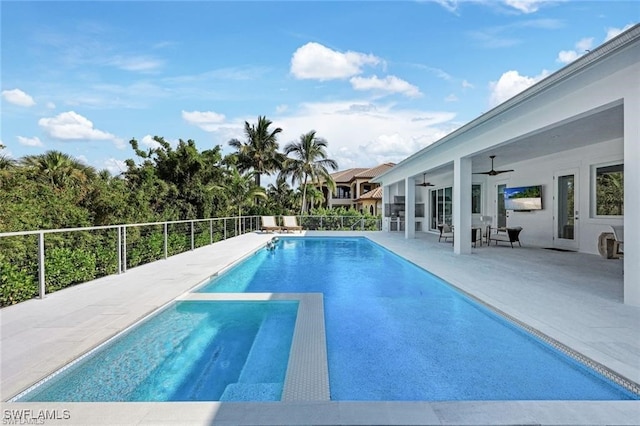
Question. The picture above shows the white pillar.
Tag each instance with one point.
(632, 197)
(386, 197)
(462, 205)
(410, 208)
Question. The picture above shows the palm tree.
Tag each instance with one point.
(281, 196)
(260, 151)
(240, 190)
(309, 163)
(59, 168)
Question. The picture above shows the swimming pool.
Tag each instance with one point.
(393, 332)
(396, 332)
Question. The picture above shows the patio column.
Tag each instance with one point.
(386, 196)
(462, 205)
(632, 197)
(410, 208)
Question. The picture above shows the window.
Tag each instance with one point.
(609, 190)
(476, 198)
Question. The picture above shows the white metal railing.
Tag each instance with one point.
(218, 229)
(239, 225)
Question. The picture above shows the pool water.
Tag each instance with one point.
(396, 332)
(190, 351)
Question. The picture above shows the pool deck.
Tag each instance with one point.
(573, 298)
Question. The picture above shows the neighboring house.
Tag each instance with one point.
(575, 135)
(355, 190)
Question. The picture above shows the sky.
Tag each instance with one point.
(378, 80)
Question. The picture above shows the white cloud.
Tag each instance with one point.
(51, 105)
(208, 121)
(451, 98)
(613, 32)
(525, 6)
(35, 141)
(390, 84)
(466, 85)
(148, 141)
(510, 84)
(317, 62)
(73, 126)
(581, 47)
(115, 166)
(18, 97)
(363, 134)
(136, 63)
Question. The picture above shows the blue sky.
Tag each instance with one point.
(378, 80)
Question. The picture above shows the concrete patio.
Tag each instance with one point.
(573, 298)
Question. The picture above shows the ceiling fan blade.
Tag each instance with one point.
(482, 173)
(503, 171)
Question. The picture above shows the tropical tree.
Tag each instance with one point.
(59, 169)
(259, 152)
(281, 196)
(309, 163)
(240, 191)
(177, 179)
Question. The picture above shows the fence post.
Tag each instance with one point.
(119, 228)
(362, 224)
(124, 248)
(192, 241)
(224, 225)
(166, 240)
(41, 281)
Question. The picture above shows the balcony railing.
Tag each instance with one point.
(34, 263)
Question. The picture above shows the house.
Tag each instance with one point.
(573, 136)
(355, 190)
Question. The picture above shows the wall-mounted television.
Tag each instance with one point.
(523, 198)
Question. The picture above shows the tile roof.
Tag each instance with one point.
(374, 194)
(346, 176)
(374, 171)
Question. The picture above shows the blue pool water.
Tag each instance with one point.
(190, 351)
(396, 332)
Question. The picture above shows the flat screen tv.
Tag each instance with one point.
(523, 198)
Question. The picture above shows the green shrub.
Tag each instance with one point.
(65, 267)
(15, 285)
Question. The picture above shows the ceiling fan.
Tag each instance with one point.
(424, 181)
(493, 172)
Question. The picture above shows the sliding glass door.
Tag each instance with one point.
(441, 207)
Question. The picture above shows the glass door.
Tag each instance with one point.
(441, 207)
(566, 213)
(500, 214)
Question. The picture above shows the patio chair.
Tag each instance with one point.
(445, 232)
(510, 235)
(269, 224)
(290, 223)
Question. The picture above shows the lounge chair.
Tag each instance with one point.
(269, 224)
(290, 223)
(445, 232)
(508, 235)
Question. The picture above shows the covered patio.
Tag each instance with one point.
(561, 135)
